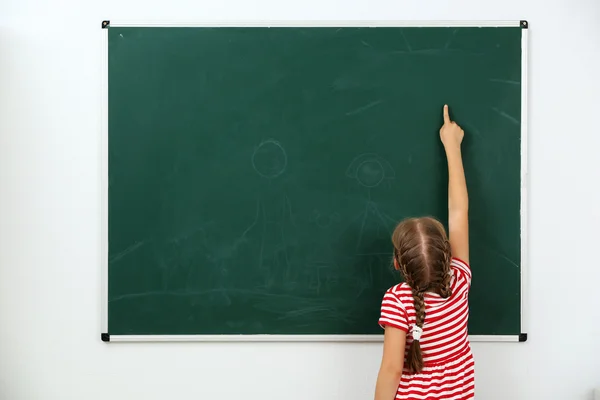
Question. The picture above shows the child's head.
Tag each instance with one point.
(422, 254)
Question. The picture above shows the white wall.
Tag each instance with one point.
(50, 200)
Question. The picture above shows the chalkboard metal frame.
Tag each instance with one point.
(106, 337)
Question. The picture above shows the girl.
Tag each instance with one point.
(426, 352)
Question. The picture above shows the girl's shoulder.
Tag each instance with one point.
(461, 269)
(400, 290)
(401, 294)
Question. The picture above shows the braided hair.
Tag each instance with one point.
(422, 254)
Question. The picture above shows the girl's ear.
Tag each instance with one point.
(396, 265)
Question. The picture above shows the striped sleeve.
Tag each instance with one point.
(462, 268)
(393, 312)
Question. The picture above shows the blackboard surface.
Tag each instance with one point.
(255, 174)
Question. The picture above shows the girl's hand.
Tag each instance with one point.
(451, 134)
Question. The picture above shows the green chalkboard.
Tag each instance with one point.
(255, 174)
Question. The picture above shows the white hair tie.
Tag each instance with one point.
(416, 331)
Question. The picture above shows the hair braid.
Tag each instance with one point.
(422, 254)
(402, 268)
(445, 289)
(415, 357)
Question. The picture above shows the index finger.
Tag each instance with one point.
(446, 114)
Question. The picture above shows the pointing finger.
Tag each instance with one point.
(446, 114)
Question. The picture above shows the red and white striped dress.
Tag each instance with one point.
(448, 371)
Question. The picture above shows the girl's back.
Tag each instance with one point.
(426, 352)
(448, 371)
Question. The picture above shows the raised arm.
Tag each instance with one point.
(458, 199)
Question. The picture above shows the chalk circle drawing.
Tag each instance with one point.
(370, 173)
(324, 221)
(370, 170)
(269, 159)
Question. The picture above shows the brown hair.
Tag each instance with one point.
(422, 254)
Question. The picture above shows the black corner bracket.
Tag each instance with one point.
(522, 337)
(105, 24)
(105, 337)
(524, 24)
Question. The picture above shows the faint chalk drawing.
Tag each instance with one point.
(274, 216)
(506, 115)
(408, 46)
(364, 108)
(370, 170)
(269, 159)
(450, 39)
(324, 221)
(128, 250)
(372, 212)
(507, 81)
(229, 251)
(434, 52)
